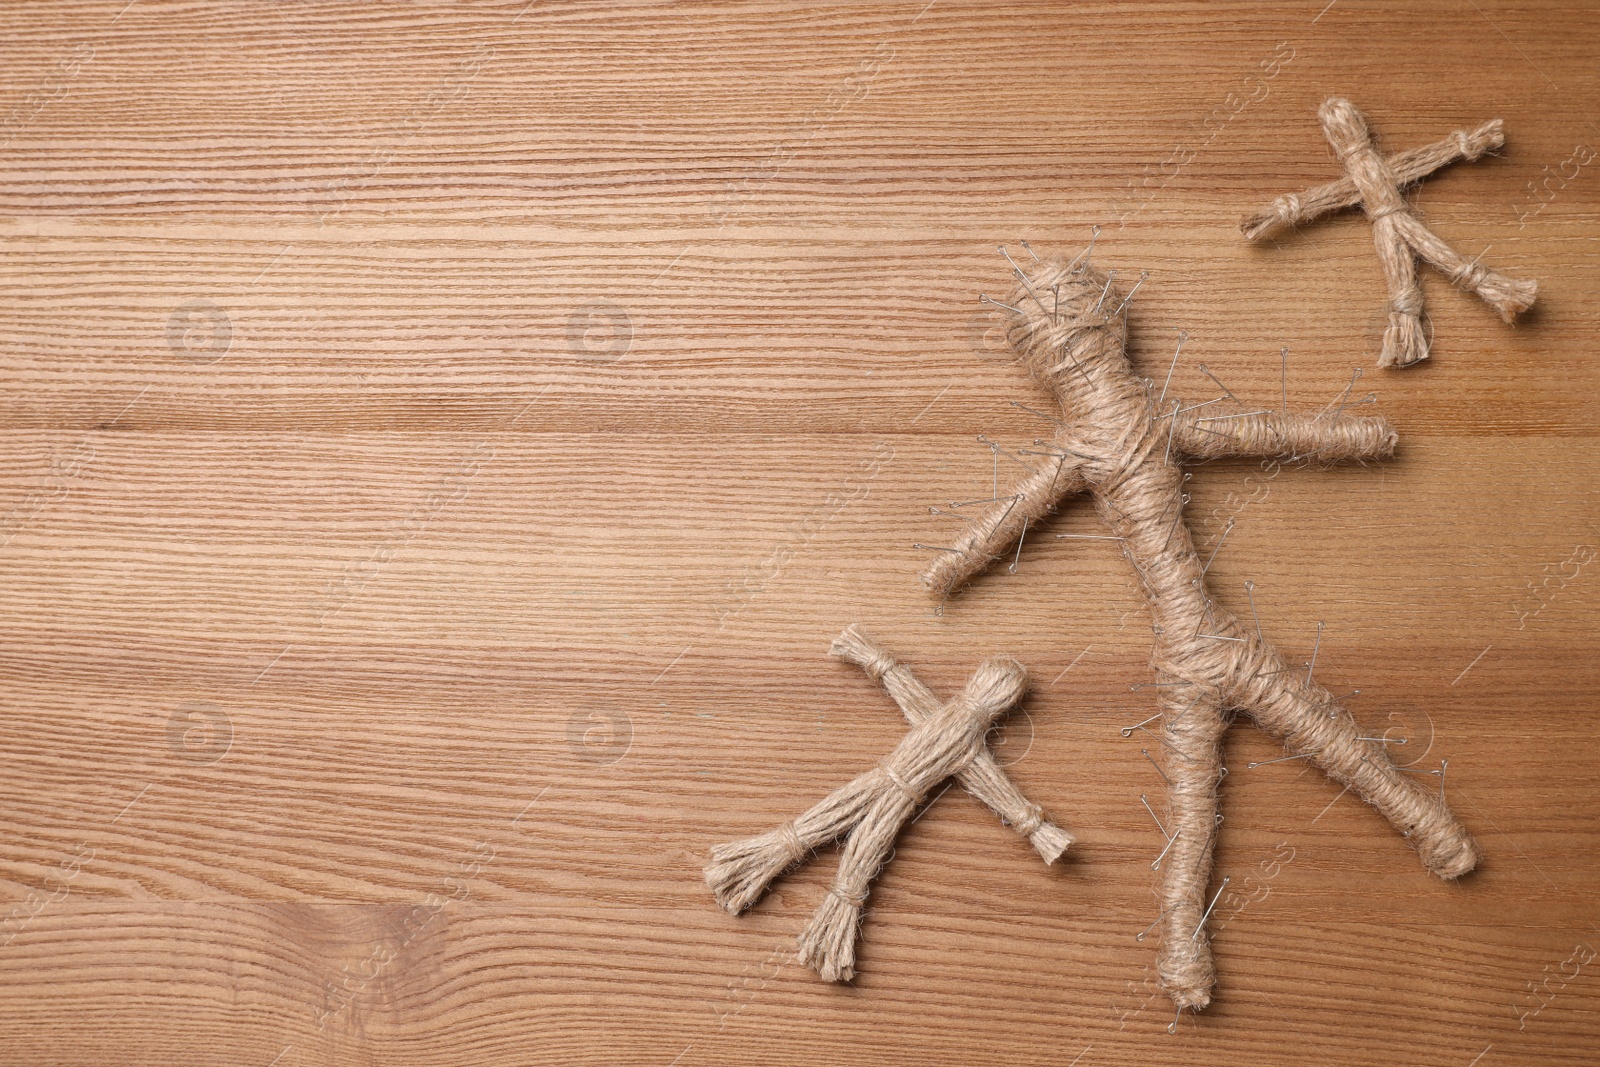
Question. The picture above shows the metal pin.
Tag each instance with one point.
(1303, 455)
(946, 514)
(1172, 1027)
(1026, 284)
(1031, 252)
(1061, 464)
(1363, 400)
(985, 441)
(1408, 770)
(1170, 747)
(1354, 375)
(1209, 614)
(1063, 454)
(1384, 740)
(1004, 514)
(1123, 515)
(1280, 759)
(1226, 391)
(1127, 731)
(1156, 865)
(1144, 579)
(1013, 568)
(1280, 670)
(1150, 685)
(1191, 407)
(1151, 810)
(1172, 428)
(1219, 637)
(1181, 714)
(985, 298)
(1444, 765)
(985, 500)
(937, 548)
(1142, 276)
(1182, 337)
(1145, 752)
(1312, 666)
(1370, 398)
(1152, 926)
(1207, 915)
(1041, 414)
(1111, 277)
(1042, 443)
(1240, 415)
(995, 449)
(1226, 530)
(1070, 358)
(1094, 235)
(1250, 591)
(1177, 520)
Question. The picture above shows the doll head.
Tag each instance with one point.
(1067, 323)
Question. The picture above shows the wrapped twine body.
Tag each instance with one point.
(1123, 446)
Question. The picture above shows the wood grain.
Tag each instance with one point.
(439, 442)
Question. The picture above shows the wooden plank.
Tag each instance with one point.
(438, 445)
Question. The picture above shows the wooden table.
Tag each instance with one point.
(440, 441)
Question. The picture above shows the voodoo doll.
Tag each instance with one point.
(1126, 446)
(1400, 237)
(946, 740)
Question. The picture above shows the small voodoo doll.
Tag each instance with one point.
(946, 740)
(1401, 239)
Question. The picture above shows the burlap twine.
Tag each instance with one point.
(1127, 450)
(1400, 237)
(946, 740)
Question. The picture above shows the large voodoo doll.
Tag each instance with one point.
(1126, 446)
